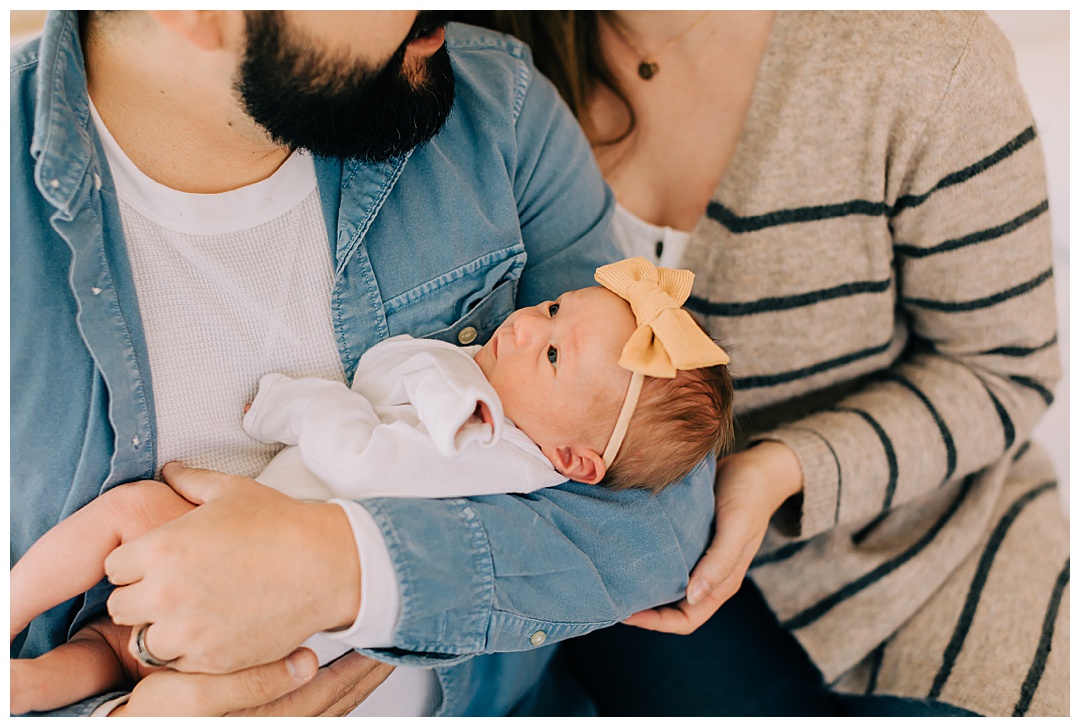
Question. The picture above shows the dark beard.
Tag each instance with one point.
(339, 108)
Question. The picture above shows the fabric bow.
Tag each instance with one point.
(667, 339)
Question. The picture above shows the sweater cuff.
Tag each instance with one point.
(821, 482)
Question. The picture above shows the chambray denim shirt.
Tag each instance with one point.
(504, 208)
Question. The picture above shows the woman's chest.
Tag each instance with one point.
(798, 304)
(668, 177)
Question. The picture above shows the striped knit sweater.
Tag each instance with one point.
(877, 262)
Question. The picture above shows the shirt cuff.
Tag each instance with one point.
(379, 600)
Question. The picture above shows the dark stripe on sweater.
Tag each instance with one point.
(781, 553)
(757, 382)
(946, 435)
(1046, 394)
(1020, 351)
(1007, 428)
(751, 223)
(822, 607)
(1018, 142)
(1022, 451)
(890, 454)
(876, 657)
(1042, 652)
(982, 574)
(769, 305)
(962, 306)
(974, 238)
(859, 536)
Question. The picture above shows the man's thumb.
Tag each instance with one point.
(195, 485)
(254, 687)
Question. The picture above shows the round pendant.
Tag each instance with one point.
(648, 69)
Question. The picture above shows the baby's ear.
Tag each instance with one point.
(579, 463)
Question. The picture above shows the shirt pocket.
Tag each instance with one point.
(478, 296)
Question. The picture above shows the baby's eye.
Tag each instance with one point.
(553, 355)
(552, 310)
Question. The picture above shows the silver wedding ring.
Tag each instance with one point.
(143, 653)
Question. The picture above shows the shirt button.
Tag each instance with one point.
(538, 638)
(54, 183)
(466, 336)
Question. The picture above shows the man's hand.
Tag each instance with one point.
(241, 580)
(751, 485)
(283, 688)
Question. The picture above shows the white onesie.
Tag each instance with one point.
(407, 428)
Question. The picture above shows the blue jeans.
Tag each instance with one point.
(739, 663)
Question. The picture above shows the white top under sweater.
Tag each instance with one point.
(233, 286)
(664, 246)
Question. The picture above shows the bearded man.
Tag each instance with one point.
(202, 197)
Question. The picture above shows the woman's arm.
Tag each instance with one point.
(973, 264)
(973, 260)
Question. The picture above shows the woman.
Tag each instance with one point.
(862, 197)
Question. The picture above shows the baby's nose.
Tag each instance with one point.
(525, 327)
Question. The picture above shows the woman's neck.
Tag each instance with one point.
(688, 117)
(699, 29)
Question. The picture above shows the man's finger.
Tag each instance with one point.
(159, 651)
(123, 566)
(335, 691)
(262, 684)
(122, 609)
(172, 693)
(195, 485)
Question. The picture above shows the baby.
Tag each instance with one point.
(614, 385)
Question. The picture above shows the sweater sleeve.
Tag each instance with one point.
(972, 259)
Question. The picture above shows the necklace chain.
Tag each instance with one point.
(648, 66)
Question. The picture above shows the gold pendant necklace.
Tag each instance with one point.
(648, 66)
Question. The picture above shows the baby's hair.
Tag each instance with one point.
(677, 423)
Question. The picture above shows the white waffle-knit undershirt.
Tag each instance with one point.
(233, 286)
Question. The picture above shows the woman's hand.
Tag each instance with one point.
(240, 580)
(290, 687)
(751, 485)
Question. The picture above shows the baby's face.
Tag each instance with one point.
(555, 367)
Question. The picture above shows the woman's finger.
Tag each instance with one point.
(722, 558)
(680, 618)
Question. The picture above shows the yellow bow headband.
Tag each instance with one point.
(667, 339)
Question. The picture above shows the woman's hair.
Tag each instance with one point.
(566, 49)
